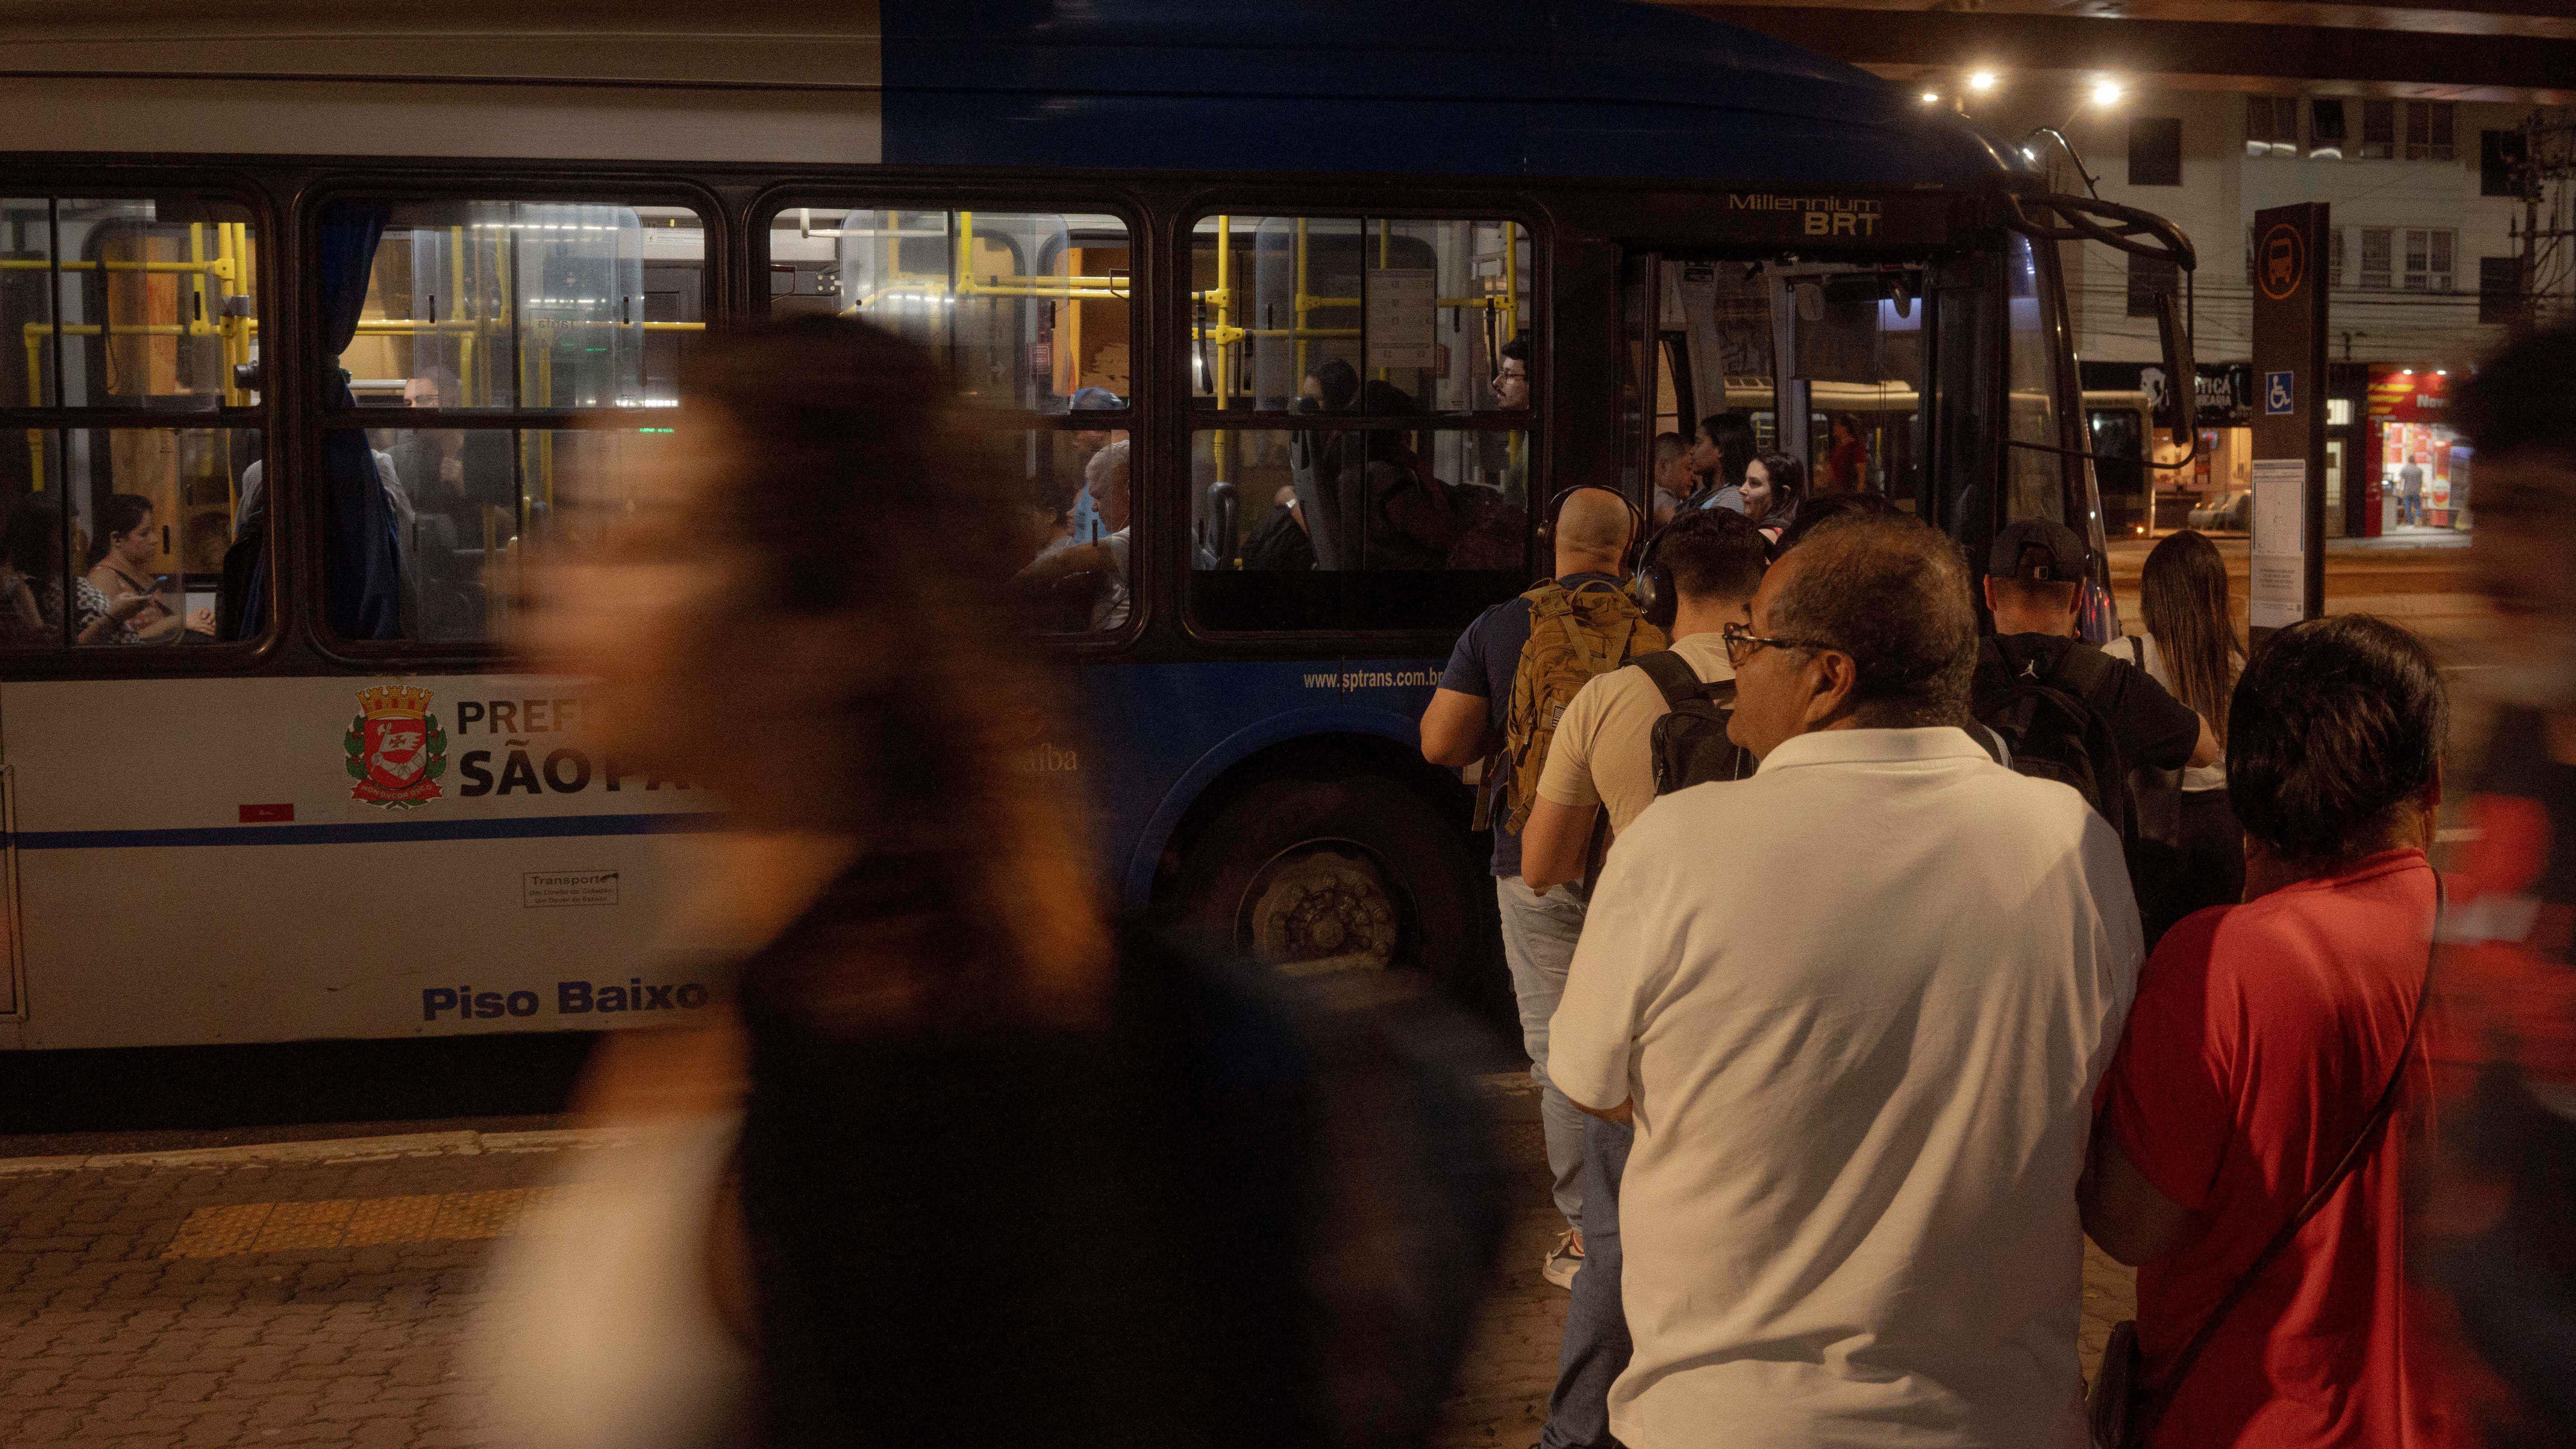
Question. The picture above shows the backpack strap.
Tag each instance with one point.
(1671, 675)
(2083, 672)
(2373, 1132)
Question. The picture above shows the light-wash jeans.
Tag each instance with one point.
(1539, 932)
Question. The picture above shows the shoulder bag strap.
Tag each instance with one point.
(2372, 1133)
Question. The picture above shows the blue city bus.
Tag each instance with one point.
(316, 320)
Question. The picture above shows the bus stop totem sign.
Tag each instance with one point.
(2287, 580)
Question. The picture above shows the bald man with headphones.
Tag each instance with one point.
(1592, 532)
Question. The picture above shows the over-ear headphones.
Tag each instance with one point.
(1556, 510)
(1652, 585)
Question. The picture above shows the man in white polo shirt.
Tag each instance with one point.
(1855, 1007)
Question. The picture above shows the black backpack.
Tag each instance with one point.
(2051, 730)
(1690, 742)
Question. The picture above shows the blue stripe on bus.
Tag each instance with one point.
(376, 833)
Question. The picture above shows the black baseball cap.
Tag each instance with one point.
(2041, 550)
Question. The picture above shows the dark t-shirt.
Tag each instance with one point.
(926, 1211)
(1487, 657)
(2152, 727)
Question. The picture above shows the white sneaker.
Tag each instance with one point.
(1564, 1260)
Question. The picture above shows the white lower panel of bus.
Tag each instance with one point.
(231, 860)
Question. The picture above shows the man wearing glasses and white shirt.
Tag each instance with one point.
(1855, 1007)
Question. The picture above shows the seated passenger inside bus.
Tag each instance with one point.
(1104, 560)
(120, 601)
(31, 576)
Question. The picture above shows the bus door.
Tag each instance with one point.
(1827, 363)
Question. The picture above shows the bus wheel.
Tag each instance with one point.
(1323, 876)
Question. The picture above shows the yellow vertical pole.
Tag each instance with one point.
(1224, 309)
(1301, 302)
(197, 279)
(1384, 244)
(1511, 304)
(228, 327)
(36, 399)
(456, 307)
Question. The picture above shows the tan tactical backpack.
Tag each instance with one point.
(1574, 635)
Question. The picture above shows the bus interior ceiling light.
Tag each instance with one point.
(2106, 92)
(1982, 81)
(1931, 98)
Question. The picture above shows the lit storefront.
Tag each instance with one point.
(2417, 466)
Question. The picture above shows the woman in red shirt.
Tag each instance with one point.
(2263, 1038)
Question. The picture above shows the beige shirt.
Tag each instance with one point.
(1603, 753)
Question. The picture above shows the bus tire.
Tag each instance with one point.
(1358, 872)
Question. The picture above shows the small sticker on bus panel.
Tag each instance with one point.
(569, 887)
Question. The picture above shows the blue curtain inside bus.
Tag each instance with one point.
(365, 570)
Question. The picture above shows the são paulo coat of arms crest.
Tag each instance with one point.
(396, 749)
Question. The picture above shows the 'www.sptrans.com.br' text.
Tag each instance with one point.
(1351, 679)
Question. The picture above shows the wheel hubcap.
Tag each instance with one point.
(1320, 908)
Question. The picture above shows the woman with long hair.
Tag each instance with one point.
(1773, 484)
(954, 1165)
(2191, 648)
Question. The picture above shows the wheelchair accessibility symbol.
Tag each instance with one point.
(2280, 391)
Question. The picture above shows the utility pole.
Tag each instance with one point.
(2542, 174)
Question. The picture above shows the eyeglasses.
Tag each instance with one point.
(1742, 644)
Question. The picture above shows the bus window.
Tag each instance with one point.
(1293, 320)
(116, 530)
(1356, 528)
(482, 310)
(1029, 309)
(2035, 476)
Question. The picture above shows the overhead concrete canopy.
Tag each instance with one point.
(2511, 51)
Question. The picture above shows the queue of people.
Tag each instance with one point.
(1990, 943)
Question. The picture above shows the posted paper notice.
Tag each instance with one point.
(2279, 564)
(1403, 315)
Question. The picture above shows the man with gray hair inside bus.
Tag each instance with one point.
(1860, 1102)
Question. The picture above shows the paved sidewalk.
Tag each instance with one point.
(317, 1294)
(311, 1301)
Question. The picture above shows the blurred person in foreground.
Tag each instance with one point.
(959, 1166)
(2272, 1041)
(1861, 1090)
(2493, 1225)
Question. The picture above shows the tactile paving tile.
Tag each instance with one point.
(214, 1232)
(350, 1222)
(303, 1225)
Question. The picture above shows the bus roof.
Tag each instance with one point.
(1560, 88)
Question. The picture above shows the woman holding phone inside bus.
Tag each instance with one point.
(119, 601)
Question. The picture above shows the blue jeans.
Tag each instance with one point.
(1596, 1347)
(1539, 932)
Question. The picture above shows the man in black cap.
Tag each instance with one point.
(2035, 587)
